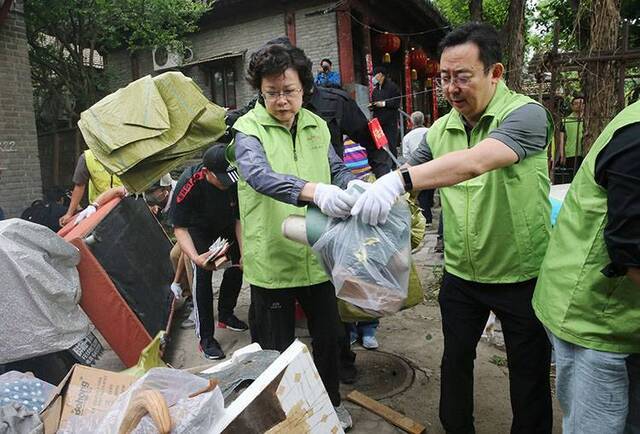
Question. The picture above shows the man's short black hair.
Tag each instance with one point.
(483, 35)
(274, 59)
(326, 60)
(577, 96)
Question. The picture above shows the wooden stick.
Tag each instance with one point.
(391, 416)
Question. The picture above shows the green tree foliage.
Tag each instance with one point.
(457, 11)
(66, 37)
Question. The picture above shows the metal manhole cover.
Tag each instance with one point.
(381, 375)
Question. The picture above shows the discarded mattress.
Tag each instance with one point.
(126, 274)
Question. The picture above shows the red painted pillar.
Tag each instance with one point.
(408, 88)
(345, 47)
(290, 23)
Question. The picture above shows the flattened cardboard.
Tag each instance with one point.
(83, 391)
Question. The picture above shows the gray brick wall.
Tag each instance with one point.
(20, 181)
(317, 36)
(207, 43)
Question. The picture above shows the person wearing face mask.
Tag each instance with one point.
(487, 157)
(326, 77)
(384, 106)
(285, 159)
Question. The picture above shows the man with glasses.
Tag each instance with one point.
(488, 158)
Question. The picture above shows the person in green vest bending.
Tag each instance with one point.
(286, 161)
(88, 172)
(570, 145)
(588, 291)
(489, 160)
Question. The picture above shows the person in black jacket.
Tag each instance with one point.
(385, 103)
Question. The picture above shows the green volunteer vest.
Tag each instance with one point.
(269, 259)
(573, 298)
(496, 226)
(573, 128)
(99, 179)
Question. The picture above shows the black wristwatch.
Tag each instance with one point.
(406, 178)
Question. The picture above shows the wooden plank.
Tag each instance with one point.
(401, 421)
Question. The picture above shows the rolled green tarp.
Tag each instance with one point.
(151, 127)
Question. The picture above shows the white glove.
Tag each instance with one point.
(374, 205)
(176, 288)
(365, 185)
(333, 201)
(87, 212)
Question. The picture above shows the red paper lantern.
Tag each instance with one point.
(433, 67)
(418, 60)
(387, 43)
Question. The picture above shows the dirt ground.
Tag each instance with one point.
(415, 336)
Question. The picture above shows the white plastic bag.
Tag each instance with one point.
(369, 265)
(188, 415)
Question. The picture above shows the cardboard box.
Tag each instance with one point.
(83, 391)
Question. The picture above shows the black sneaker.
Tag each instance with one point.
(211, 349)
(232, 322)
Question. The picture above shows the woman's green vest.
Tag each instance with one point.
(496, 226)
(269, 259)
(573, 299)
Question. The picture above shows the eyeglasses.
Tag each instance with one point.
(288, 94)
(458, 81)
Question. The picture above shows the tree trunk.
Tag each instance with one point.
(600, 87)
(514, 44)
(475, 10)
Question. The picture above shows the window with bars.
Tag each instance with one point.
(223, 85)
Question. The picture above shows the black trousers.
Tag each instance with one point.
(229, 287)
(272, 323)
(465, 308)
(425, 201)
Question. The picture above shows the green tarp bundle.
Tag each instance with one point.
(150, 127)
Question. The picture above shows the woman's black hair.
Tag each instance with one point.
(274, 59)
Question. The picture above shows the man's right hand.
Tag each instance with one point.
(201, 259)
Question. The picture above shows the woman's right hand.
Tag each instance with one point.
(333, 201)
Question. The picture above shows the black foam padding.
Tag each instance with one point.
(134, 250)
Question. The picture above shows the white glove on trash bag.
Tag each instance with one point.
(374, 204)
(333, 201)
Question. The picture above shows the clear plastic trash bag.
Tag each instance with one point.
(369, 265)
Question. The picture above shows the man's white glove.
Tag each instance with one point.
(87, 212)
(333, 201)
(374, 204)
(359, 182)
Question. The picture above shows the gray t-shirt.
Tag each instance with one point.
(81, 174)
(524, 131)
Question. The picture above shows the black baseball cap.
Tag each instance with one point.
(214, 159)
(378, 69)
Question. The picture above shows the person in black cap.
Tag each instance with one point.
(384, 106)
(203, 208)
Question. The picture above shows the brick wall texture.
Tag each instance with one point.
(316, 34)
(20, 181)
